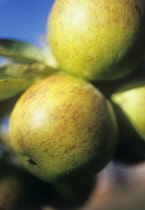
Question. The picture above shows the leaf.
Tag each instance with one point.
(24, 70)
(10, 87)
(21, 52)
(15, 78)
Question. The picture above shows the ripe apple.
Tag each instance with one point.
(63, 128)
(97, 40)
(129, 101)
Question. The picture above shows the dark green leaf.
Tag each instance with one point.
(21, 52)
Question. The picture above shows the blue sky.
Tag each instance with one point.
(24, 19)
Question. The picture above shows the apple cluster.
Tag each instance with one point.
(74, 117)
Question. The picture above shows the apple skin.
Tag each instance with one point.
(97, 40)
(62, 128)
(129, 101)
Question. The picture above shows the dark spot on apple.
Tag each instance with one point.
(85, 141)
(42, 143)
(138, 9)
(46, 150)
(31, 162)
(70, 149)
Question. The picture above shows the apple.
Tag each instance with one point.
(62, 128)
(97, 40)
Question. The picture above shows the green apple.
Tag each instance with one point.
(63, 128)
(130, 109)
(97, 40)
